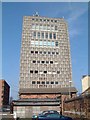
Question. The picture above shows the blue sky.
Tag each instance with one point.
(75, 13)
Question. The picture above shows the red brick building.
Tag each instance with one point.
(4, 93)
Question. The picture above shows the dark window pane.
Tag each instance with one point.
(40, 19)
(50, 35)
(43, 82)
(42, 35)
(46, 35)
(47, 61)
(55, 27)
(38, 34)
(40, 52)
(54, 36)
(38, 82)
(56, 82)
(53, 52)
(33, 82)
(44, 52)
(32, 51)
(31, 71)
(57, 53)
(48, 52)
(34, 61)
(56, 43)
(52, 82)
(51, 62)
(55, 20)
(36, 71)
(38, 61)
(47, 82)
(43, 61)
(36, 52)
(34, 34)
(45, 71)
(58, 72)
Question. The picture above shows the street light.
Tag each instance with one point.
(69, 88)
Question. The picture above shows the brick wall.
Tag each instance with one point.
(78, 107)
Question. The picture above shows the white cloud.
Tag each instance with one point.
(74, 18)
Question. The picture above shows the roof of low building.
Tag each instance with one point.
(48, 90)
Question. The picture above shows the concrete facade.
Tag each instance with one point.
(45, 53)
(85, 82)
(4, 93)
(45, 66)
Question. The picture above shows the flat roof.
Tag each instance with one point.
(47, 90)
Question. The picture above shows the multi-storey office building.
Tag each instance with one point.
(45, 66)
(45, 53)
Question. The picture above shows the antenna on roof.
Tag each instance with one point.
(36, 14)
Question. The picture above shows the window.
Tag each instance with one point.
(32, 51)
(56, 43)
(34, 61)
(54, 36)
(47, 61)
(45, 71)
(51, 62)
(53, 52)
(45, 43)
(50, 35)
(51, 20)
(56, 82)
(48, 27)
(47, 82)
(36, 19)
(41, 43)
(49, 53)
(46, 35)
(38, 82)
(53, 44)
(38, 61)
(43, 82)
(44, 52)
(43, 61)
(57, 53)
(33, 26)
(49, 43)
(40, 19)
(48, 20)
(36, 71)
(33, 82)
(52, 82)
(32, 42)
(37, 26)
(31, 71)
(36, 52)
(42, 35)
(55, 20)
(55, 27)
(36, 43)
(58, 72)
(44, 19)
(38, 34)
(34, 34)
(40, 52)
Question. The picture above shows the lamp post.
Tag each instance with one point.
(69, 88)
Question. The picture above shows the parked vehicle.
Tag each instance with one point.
(50, 115)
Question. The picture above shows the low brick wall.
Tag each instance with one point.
(78, 107)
